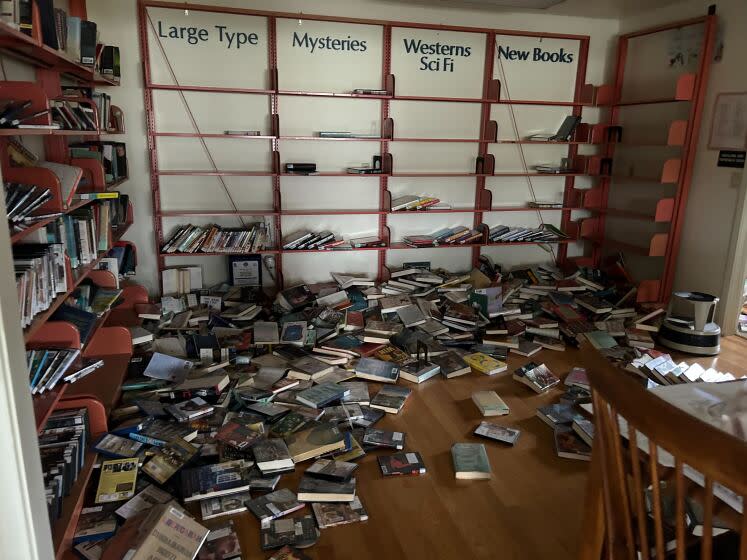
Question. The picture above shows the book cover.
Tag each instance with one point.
(489, 403)
(112, 445)
(117, 480)
(315, 441)
(273, 505)
(377, 370)
(175, 535)
(336, 471)
(384, 438)
(169, 459)
(299, 532)
(410, 463)
(470, 461)
(333, 514)
(321, 395)
(390, 398)
(214, 480)
(224, 505)
(483, 363)
(497, 433)
(569, 445)
(222, 543)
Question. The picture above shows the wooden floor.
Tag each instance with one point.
(530, 509)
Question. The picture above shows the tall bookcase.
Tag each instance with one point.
(584, 212)
(99, 392)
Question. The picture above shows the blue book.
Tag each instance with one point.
(39, 369)
(80, 319)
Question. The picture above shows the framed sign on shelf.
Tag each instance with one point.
(729, 124)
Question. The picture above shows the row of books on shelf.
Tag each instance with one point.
(418, 202)
(462, 235)
(48, 367)
(217, 239)
(76, 37)
(63, 445)
(305, 239)
(39, 262)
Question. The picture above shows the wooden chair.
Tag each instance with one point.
(616, 517)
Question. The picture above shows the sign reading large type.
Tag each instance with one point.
(197, 35)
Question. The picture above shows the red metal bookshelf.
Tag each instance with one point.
(676, 173)
(99, 391)
(688, 88)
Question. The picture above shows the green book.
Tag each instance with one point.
(470, 461)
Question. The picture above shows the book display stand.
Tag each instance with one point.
(99, 391)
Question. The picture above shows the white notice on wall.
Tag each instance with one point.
(729, 125)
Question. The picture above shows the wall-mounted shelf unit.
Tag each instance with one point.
(652, 132)
(585, 167)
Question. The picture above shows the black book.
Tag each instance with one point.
(48, 26)
(110, 61)
(25, 18)
(82, 320)
(87, 42)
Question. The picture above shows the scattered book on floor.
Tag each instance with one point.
(489, 403)
(470, 461)
(409, 463)
(497, 433)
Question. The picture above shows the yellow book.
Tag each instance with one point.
(117, 480)
(485, 364)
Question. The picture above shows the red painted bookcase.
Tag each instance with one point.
(99, 392)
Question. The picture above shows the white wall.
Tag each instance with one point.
(713, 204)
(118, 24)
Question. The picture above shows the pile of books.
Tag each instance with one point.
(217, 239)
(459, 235)
(543, 233)
(73, 115)
(229, 391)
(417, 202)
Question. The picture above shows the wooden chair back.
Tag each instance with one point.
(632, 532)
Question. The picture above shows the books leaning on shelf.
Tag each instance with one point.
(326, 240)
(415, 202)
(41, 274)
(543, 233)
(216, 239)
(22, 203)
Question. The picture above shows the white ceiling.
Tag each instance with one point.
(588, 8)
